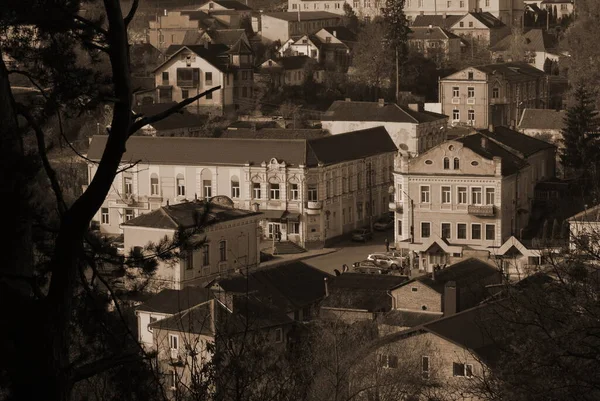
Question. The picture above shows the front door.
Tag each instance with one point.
(273, 229)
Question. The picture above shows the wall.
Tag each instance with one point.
(407, 299)
(461, 103)
(145, 335)
(173, 27)
(273, 29)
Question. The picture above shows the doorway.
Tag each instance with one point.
(274, 228)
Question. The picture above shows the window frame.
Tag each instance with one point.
(294, 191)
(207, 189)
(470, 92)
(425, 367)
(189, 259)
(446, 163)
(174, 337)
(473, 197)
(223, 250)
(180, 184)
(128, 214)
(274, 191)
(256, 190)
(154, 186)
(465, 226)
(428, 225)
(235, 189)
(456, 163)
(104, 214)
(449, 226)
(278, 335)
(473, 225)
(455, 115)
(464, 201)
(312, 193)
(493, 232)
(493, 195)
(205, 255)
(446, 191)
(427, 193)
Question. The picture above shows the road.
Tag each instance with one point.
(351, 252)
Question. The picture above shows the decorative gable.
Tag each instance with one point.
(443, 159)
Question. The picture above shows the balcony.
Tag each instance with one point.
(499, 100)
(481, 211)
(313, 207)
(396, 207)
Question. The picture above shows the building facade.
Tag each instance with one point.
(435, 43)
(472, 193)
(310, 191)
(289, 71)
(510, 12)
(492, 94)
(284, 25)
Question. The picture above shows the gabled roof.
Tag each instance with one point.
(514, 242)
(543, 119)
(227, 37)
(187, 215)
(511, 163)
(436, 20)
(359, 281)
(524, 144)
(514, 72)
(341, 110)
(588, 215)
(342, 33)
(232, 5)
(295, 62)
(212, 53)
(274, 133)
(170, 302)
(240, 47)
(197, 319)
(533, 40)
(433, 33)
(401, 318)
(486, 18)
(183, 119)
(303, 15)
(192, 37)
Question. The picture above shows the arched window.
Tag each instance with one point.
(456, 163)
(180, 185)
(235, 187)
(154, 189)
(446, 163)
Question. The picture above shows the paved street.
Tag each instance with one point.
(351, 252)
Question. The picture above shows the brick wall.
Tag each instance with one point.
(407, 298)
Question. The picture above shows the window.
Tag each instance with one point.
(462, 370)
(456, 163)
(222, 251)
(462, 4)
(448, 4)
(470, 73)
(455, 91)
(344, 184)
(207, 185)
(128, 214)
(208, 78)
(173, 341)
(294, 6)
(127, 185)
(235, 187)
(188, 77)
(185, 94)
(171, 379)
(154, 184)
(273, 191)
(294, 192)
(462, 24)
(490, 232)
(165, 78)
(462, 195)
(487, 3)
(425, 367)
(476, 231)
(476, 196)
(471, 26)
(446, 197)
(420, 3)
(294, 228)
(425, 194)
(495, 93)
(470, 92)
(471, 115)
(358, 180)
(446, 230)
(425, 230)
(104, 215)
(489, 196)
(414, 289)
(399, 227)
(461, 231)
(359, 211)
(388, 361)
(205, 255)
(211, 6)
(189, 259)
(279, 335)
(152, 320)
(208, 96)
(180, 185)
(446, 163)
(256, 190)
(456, 115)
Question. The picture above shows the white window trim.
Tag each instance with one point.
(171, 342)
(481, 233)
(485, 195)
(442, 231)
(485, 231)
(421, 193)
(421, 229)
(279, 330)
(466, 230)
(442, 194)
(471, 195)
(458, 195)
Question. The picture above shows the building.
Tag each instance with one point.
(310, 191)
(282, 26)
(519, 259)
(561, 8)
(274, 133)
(227, 37)
(289, 71)
(445, 21)
(364, 10)
(468, 195)
(182, 123)
(584, 228)
(229, 239)
(538, 47)
(190, 70)
(509, 12)
(412, 129)
(493, 94)
(481, 28)
(172, 27)
(544, 124)
(435, 43)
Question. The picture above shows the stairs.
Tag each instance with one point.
(287, 248)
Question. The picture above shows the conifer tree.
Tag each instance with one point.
(397, 33)
(350, 18)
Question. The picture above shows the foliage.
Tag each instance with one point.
(373, 58)
(350, 18)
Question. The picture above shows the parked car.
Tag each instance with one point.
(386, 260)
(362, 234)
(368, 267)
(383, 224)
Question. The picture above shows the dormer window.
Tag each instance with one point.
(328, 39)
(470, 75)
(304, 41)
(211, 6)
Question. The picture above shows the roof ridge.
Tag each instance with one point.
(164, 211)
(405, 112)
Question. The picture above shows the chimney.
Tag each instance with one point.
(450, 298)
(255, 207)
(415, 107)
(335, 34)
(381, 102)
(348, 99)
(491, 127)
(484, 142)
(326, 286)
(444, 15)
(167, 202)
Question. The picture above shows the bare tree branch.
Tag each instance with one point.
(132, 165)
(131, 13)
(101, 365)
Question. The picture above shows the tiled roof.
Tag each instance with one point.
(240, 47)
(197, 320)
(436, 20)
(227, 37)
(186, 215)
(359, 281)
(400, 318)
(183, 119)
(192, 37)
(511, 163)
(524, 144)
(232, 5)
(488, 19)
(342, 33)
(234, 151)
(513, 72)
(542, 119)
(304, 15)
(174, 301)
(342, 110)
(464, 273)
(435, 33)
(533, 40)
(590, 215)
(213, 53)
(274, 133)
(295, 62)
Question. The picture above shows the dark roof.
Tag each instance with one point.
(590, 215)
(367, 281)
(304, 15)
(182, 119)
(435, 20)
(232, 5)
(524, 144)
(488, 19)
(214, 53)
(240, 47)
(464, 273)
(274, 133)
(556, 1)
(400, 318)
(533, 40)
(295, 62)
(514, 72)
(511, 163)
(542, 119)
(342, 33)
(174, 301)
(342, 110)
(197, 319)
(187, 215)
(205, 21)
(192, 37)
(140, 84)
(227, 151)
(371, 300)
(424, 33)
(228, 37)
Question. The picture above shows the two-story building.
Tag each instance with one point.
(311, 191)
(480, 28)
(435, 43)
(282, 26)
(537, 46)
(468, 194)
(492, 94)
(562, 8)
(412, 129)
(191, 70)
(289, 71)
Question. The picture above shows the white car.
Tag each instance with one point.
(392, 260)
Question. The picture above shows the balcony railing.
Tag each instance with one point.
(483, 211)
(314, 205)
(499, 100)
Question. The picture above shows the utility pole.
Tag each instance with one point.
(370, 189)
(397, 77)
